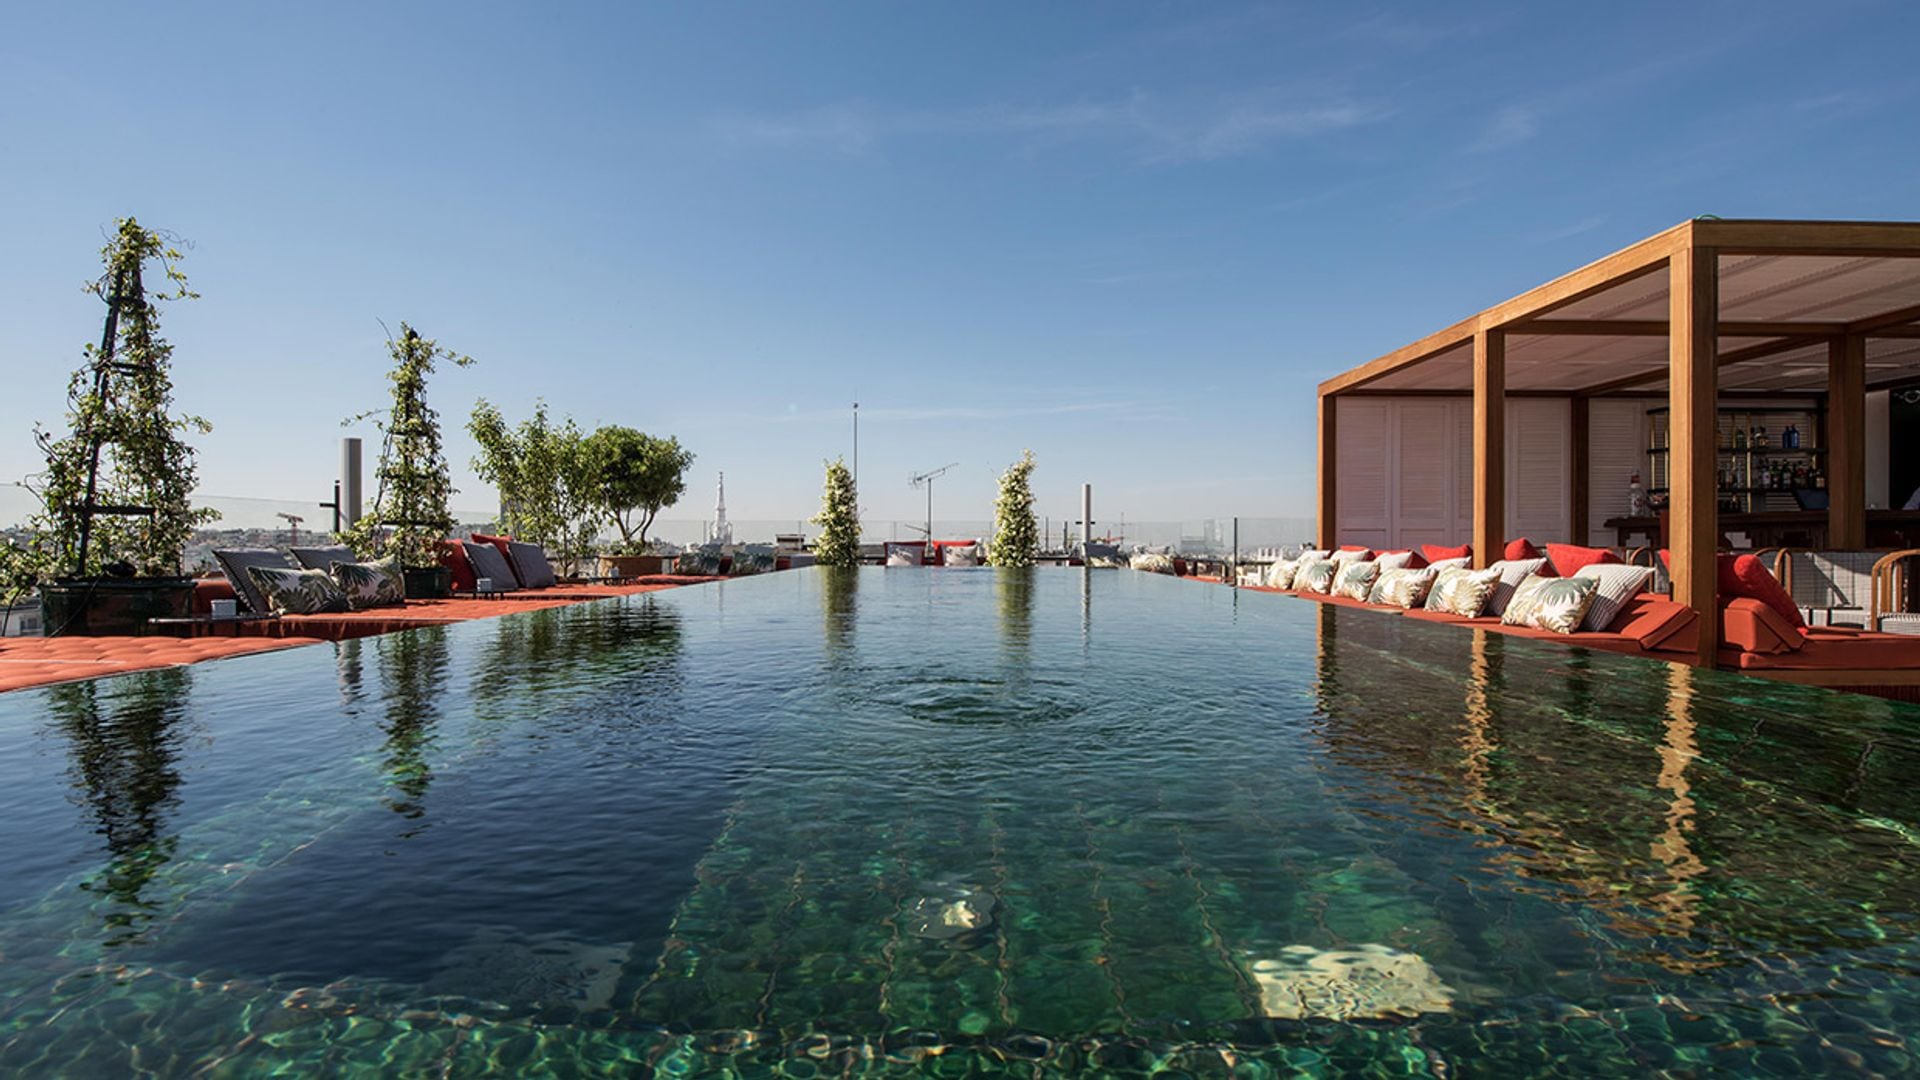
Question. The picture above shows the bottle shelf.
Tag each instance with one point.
(1763, 452)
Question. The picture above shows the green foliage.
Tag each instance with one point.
(638, 476)
(144, 459)
(412, 483)
(549, 485)
(839, 519)
(1016, 532)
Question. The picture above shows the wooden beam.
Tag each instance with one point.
(1658, 328)
(1578, 483)
(1325, 473)
(1425, 392)
(1737, 356)
(1897, 332)
(1839, 238)
(1885, 321)
(1847, 442)
(1692, 395)
(1406, 356)
(1489, 446)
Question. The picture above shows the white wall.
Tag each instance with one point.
(1616, 450)
(1404, 467)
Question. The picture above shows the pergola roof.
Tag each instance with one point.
(1786, 288)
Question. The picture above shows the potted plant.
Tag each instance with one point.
(410, 515)
(636, 476)
(116, 511)
(549, 492)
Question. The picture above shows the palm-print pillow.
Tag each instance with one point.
(1280, 574)
(1315, 576)
(371, 584)
(1402, 588)
(297, 592)
(1551, 603)
(1462, 592)
(1356, 580)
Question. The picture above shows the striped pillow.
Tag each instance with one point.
(1512, 573)
(1617, 585)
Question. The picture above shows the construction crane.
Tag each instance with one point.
(926, 480)
(293, 526)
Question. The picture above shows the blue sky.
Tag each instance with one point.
(1131, 236)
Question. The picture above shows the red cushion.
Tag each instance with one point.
(1751, 626)
(1522, 549)
(207, 590)
(1840, 650)
(454, 557)
(1433, 553)
(1656, 622)
(1746, 576)
(1567, 559)
(500, 542)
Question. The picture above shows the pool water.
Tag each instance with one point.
(951, 823)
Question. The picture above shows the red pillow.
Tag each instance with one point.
(1746, 576)
(1522, 549)
(1567, 559)
(1433, 553)
(500, 542)
(454, 558)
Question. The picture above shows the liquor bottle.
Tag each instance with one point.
(1758, 440)
(1739, 438)
(1790, 438)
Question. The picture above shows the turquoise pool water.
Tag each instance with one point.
(954, 823)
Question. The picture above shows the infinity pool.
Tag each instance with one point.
(953, 822)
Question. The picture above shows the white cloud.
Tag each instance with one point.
(1510, 126)
(1154, 129)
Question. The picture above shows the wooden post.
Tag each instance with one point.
(1847, 442)
(1489, 446)
(1578, 484)
(1327, 527)
(1693, 393)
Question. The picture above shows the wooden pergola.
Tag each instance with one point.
(1704, 309)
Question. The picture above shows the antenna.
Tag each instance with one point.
(926, 480)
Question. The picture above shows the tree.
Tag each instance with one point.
(549, 488)
(120, 408)
(637, 474)
(839, 519)
(1016, 533)
(412, 483)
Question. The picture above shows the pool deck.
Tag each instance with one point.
(27, 662)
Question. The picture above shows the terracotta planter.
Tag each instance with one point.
(108, 607)
(634, 565)
(428, 582)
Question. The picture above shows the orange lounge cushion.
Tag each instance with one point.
(1656, 622)
(1567, 559)
(207, 590)
(1522, 549)
(1746, 576)
(1830, 649)
(1433, 553)
(1748, 625)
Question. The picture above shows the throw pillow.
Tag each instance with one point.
(296, 592)
(969, 555)
(1349, 554)
(235, 563)
(1567, 559)
(1315, 576)
(1399, 560)
(1512, 573)
(1356, 579)
(1462, 592)
(1433, 553)
(1460, 562)
(1551, 603)
(1617, 585)
(1310, 553)
(321, 558)
(1520, 549)
(530, 565)
(371, 584)
(488, 563)
(1748, 576)
(1403, 588)
(1280, 574)
(453, 555)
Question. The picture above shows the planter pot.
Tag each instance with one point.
(106, 607)
(634, 565)
(428, 582)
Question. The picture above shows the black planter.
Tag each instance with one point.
(107, 607)
(428, 582)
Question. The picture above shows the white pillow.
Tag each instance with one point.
(1458, 563)
(962, 555)
(1617, 585)
(1309, 553)
(1512, 573)
(1280, 574)
(1349, 556)
(1396, 561)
